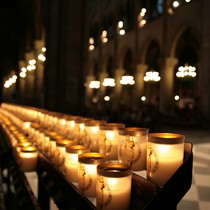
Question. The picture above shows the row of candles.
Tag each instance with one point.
(96, 156)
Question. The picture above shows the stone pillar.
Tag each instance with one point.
(118, 88)
(22, 82)
(89, 91)
(29, 87)
(167, 84)
(139, 84)
(102, 88)
(39, 74)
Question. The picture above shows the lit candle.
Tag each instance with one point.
(87, 172)
(71, 161)
(108, 141)
(79, 131)
(91, 139)
(70, 125)
(113, 186)
(60, 153)
(28, 157)
(165, 153)
(132, 148)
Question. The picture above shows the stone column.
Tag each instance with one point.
(39, 74)
(167, 84)
(102, 88)
(29, 80)
(89, 91)
(118, 88)
(139, 84)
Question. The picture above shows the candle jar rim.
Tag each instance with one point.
(28, 149)
(82, 120)
(95, 122)
(166, 138)
(112, 169)
(76, 149)
(65, 142)
(24, 143)
(92, 158)
(133, 131)
(112, 126)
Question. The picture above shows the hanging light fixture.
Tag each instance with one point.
(152, 76)
(94, 84)
(127, 80)
(109, 82)
(186, 71)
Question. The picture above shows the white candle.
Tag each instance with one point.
(92, 132)
(165, 155)
(108, 141)
(70, 125)
(60, 153)
(132, 147)
(113, 188)
(80, 129)
(87, 172)
(71, 161)
(28, 157)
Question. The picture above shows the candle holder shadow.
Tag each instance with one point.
(147, 195)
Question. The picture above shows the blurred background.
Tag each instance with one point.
(141, 62)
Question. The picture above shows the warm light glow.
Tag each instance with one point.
(91, 44)
(22, 74)
(143, 98)
(95, 129)
(127, 80)
(104, 36)
(94, 84)
(122, 32)
(186, 71)
(120, 24)
(32, 61)
(187, 1)
(152, 76)
(163, 148)
(175, 4)
(112, 181)
(27, 124)
(110, 134)
(106, 98)
(82, 126)
(91, 47)
(109, 82)
(41, 57)
(141, 19)
(176, 97)
(44, 49)
(23, 69)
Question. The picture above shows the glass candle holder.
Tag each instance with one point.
(108, 141)
(165, 154)
(132, 148)
(92, 131)
(70, 125)
(28, 157)
(71, 161)
(113, 187)
(79, 131)
(87, 172)
(60, 152)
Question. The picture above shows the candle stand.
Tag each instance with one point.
(145, 195)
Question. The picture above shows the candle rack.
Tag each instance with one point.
(52, 184)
